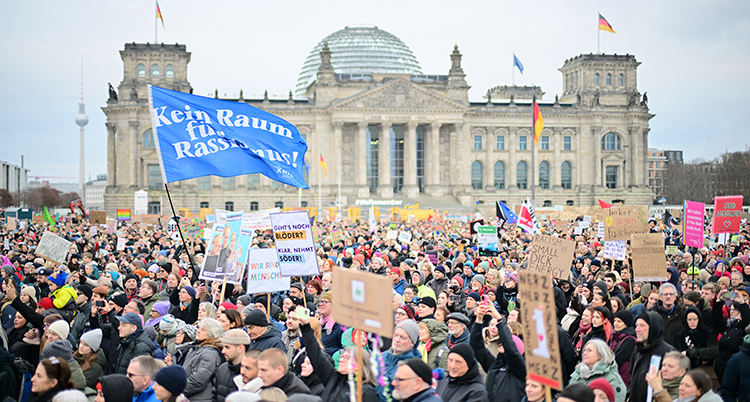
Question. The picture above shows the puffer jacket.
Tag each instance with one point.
(201, 364)
(674, 320)
(438, 335)
(223, 383)
(391, 365)
(81, 321)
(64, 299)
(136, 344)
(467, 388)
(736, 384)
(601, 370)
(732, 336)
(506, 372)
(271, 339)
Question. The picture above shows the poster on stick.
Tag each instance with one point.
(263, 273)
(540, 329)
(98, 217)
(621, 222)
(727, 214)
(615, 249)
(358, 301)
(258, 220)
(121, 242)
(487, 241)
(53, 247)
(227, 254)
(692, 224)
(208, 270)
(649, 260)
(551, 256)
(294, 243)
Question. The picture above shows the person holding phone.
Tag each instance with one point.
(649, 331)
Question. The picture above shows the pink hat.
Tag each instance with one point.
(519, 343)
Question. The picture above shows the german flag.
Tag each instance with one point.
(159, 16)
(538, 123)
(324, 165)
(604, 25)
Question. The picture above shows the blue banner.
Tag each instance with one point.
(197, 136)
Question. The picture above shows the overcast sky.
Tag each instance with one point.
(695, 58)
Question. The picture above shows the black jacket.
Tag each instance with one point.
(268, 340)
(117, 388)
(224, 381)
(731, 336)
(467, 388)
(673, 320)
(506, 372)
(121, 351)
(642, 355)
(567, 354)
(736, 384)
(700, 343)
(189, 314)
(291, 384)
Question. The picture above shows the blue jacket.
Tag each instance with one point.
(391, 364)
(400, 286)
(428, 395)
(148, 395)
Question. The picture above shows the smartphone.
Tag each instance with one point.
(100, 303)
(485, 300)
(729, 295)
(302, 313)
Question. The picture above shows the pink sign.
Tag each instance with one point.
(727, 214)
(693, 223)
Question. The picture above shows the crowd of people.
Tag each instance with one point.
(140, 325)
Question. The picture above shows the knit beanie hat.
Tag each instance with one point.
(441, 269)
(60, 349)
(172, 378)
(93, 339)
(189, 330)
(256, 318)
(420, 368)
(61, 328)
(421, 277)
(578, 392)
(519, 344)
(475, 296)
(246, 300)
(167, 323)
(31, 291)
(428, 301)
(459, 279)
(408, 309)
(626, 317)
(58, 278)
(86, 290)
(191, 290)
(161, 307)
(411, 328)
(327, 296)
(479, 278)
(602, 384)
(120, 300)
(466, 352)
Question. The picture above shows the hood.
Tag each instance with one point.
(117, 388)
(438, 330)
(674, 277)
(656, 326)
(701, 325)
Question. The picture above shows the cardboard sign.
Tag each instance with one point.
(392, 235)
(551, 256)
(337, 236)
(192, 228)
(672, 250)
(727, 214)
(404, 237)
(294, 243)
(111, 226)
(53, 247)
(316, 234)
(263, 274)
(358, 301)
(38, 220)
(649, 261)
(540, 328)
(11, 225)
(121, 243)
(615, 249)
(98, 217)
(692, 225)
(621, 222)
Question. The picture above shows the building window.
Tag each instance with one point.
(155, 70)
(566, 175)
(253, 181)
(303, 204)
(611, 142)
(651, 164)
(277, 185)
(567, 145)
(477, 171)
(570, 203)
(522, 143)
(154, 178)
(229, 206)
(596, 79)
(204, 204)
(500, 175)
(651, 182)
(545, 143)
(204, 183)
(170, 71)
(253, 205)
(154, 208)
(522, 177)
(620, 80)
(141, 70)
(421, 181)
(611, 176)
(278, 204)
(547, 203)
(228, 183)
(544, 175)
(148, 139)
(373, 143)
(477, 142)
(609, 79)
(500, 143)
(397, 158)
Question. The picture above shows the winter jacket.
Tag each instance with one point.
(438, 285)
(168, 341)
(438, 335)
(600, 370)
(467, 388)
(506, 372)
(623, 344)
(223, 383)
(64, 299)
(96, 370)
(267, 341)
(700, 343)
(189, 314)
(428, 395)
(674, 320)
(709, 396)
(736, 384)
(732, 336)
(290, 384)
(391, 364)
(21, 349)
(400, 286)
(81, 321)
(330, 336)
(136, 344)
(76, 374)
(336, 385)
(567, 354)
(641, 359)
(200, 365)
(464, 337)
(289, 339)
(148, 395)
(149, 303)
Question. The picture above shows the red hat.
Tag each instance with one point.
(228, 306)
(602, 384)
(396, 270)
(459, 279)
(46, 303)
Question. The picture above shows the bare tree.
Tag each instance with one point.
(41, 197)
(6, 198)
(701, 180)
(67, 198)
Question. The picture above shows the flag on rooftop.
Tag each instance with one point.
(604, 25)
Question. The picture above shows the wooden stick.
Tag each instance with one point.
(268, 307)
(547, 393)
(360, 371)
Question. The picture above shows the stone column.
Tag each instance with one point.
(432, 164)
(455, 158)
(599, 169)
(464, 148)
(360, 161)
(410, 189)
(111, 155)
(510, 168)
(489, 165)
(556, 163)
(337, 161)
(385, 189)
(134, 155)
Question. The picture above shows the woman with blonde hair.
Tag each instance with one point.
(535, 391)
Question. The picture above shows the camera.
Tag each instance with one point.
(454, 298)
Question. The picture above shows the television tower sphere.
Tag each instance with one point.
(81, 118)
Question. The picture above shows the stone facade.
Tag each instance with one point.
(438, 146)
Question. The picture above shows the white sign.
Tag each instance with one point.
(172, 230)
(578, 230)
(221, 216)
(558, 208)
(111, 226)
(263, 273)
(207, 232)
(392, 234)
(616, 249)
(584, 224)
(258, 220)
(600, 231)
(211, 218)
(121, 243)
(587, 218)
(404, 237)
(53, 247)
(294, 243)
(140, 202)
(92, 231)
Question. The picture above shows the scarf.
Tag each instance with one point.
(582, 330)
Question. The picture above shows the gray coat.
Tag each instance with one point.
(201, 364)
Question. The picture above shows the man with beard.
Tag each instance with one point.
(439, 282)
(463, 381)
(413, 382)
(649, 333)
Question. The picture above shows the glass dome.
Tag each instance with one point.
(360, 50)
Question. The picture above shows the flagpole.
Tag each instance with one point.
(513, 69)
(156, 22)
(320, 192)
(533, 151)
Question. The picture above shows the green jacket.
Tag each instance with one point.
(608, 372)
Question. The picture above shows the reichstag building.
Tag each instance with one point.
(388, 131)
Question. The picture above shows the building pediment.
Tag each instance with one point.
(398, 94)
(613, 157)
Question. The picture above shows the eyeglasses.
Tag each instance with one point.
(131, 375)
(396, 379)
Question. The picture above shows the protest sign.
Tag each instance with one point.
(92, 231)
(221, 216)
(621, 222)
(600, 230)
(294, 243)
(672, 250)
(11, 224)
(235, 272)
(263, 273)
(404, 237)
(53, 247)
(615, 249)
(259, 220)
(540, 328)
(98, 217)
(198, 136)
(487, 241)
(121, 243)
(559, 208)
(227, 255)
(111, 226)
(38, 220)
(192, 228)
(211, 218)
(649, 261)
(474, 225)
(578, 230)
(692, 224)
(172, 230)
(551, 256)
(207, 232)
(123, 214)
(392, 235)
(208, 270)
(316, 233)
(727, 214)
(358, 301)
(337, 236)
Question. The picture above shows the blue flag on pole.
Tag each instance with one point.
(197, 136)
(504, 213)
(517, 63)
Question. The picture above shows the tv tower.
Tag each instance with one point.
(81, 120)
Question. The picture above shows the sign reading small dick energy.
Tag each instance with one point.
(294, 243)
